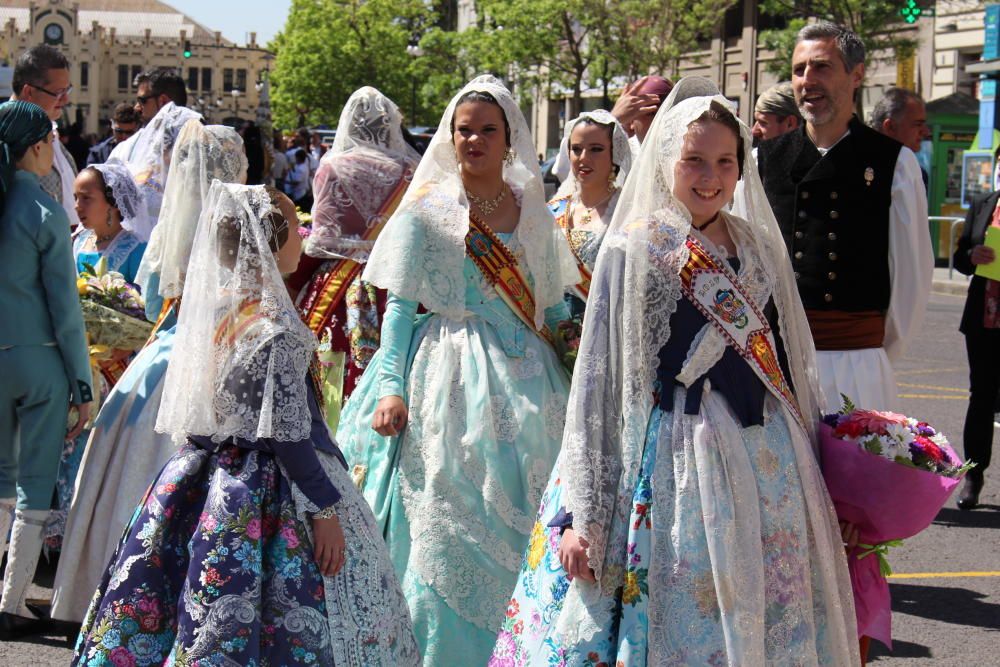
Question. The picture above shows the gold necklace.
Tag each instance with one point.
(487, 206)
(588, 210)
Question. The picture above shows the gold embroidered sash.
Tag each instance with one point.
(582, 288)
(324, 297)
(499, 265)
(715, 290)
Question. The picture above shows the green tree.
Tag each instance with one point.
(329, 48)
(874, 21)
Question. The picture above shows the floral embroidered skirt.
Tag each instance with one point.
(696, 587)
(214, 568)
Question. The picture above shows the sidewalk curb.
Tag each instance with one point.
(953, 287)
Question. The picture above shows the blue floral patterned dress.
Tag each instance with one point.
(216, 566)
(688, 506)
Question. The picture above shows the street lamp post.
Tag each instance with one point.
(415, 51)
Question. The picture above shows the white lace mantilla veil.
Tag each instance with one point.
(148, 157)
(635, 290)
(621, 153)
(368, 158)
(420, 253)
(232, 266)
(202, 153)
(128, 198)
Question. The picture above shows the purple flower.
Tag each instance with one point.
(831, 420)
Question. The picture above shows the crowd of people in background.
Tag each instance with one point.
(451, 420)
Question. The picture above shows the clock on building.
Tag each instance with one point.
(53, 34)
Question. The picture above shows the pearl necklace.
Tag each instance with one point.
(487, 206)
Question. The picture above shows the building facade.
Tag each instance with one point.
(109, 42)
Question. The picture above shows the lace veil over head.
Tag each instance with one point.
(147, 154)
(635, 290)
(420, 253)
(621, 153)
(245, 351)
(202, 153)
(128, 198)
(369, 160)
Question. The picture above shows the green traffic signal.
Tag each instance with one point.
(187, 49)
(910, 11)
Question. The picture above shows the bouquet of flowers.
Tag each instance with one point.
(888, 474)
(113, 314)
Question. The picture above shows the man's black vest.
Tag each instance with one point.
(833, 211)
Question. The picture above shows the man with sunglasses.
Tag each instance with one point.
(41, 76)
(124, 123)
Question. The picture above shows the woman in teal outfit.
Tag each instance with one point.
(112, 212)
(455, 424)
(43, 350)
(124, 454)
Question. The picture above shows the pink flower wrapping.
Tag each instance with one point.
(887, 501)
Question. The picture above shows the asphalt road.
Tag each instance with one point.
(946, 590)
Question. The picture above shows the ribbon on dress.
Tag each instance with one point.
(582, 289)
(715, 290)
(499, 265)
(323, 297)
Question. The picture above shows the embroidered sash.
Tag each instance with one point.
(582, 288)
(499, 265)
(715, 290)
(232, 326)
(325, 295)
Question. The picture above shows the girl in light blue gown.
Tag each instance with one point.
(453, 428)
(124, 453)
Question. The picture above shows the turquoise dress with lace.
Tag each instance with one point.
(456, 492)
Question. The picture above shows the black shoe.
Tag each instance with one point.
(66, 629)
(969, 498)
(15, 627)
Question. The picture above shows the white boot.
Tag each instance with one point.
(22, 558)
(6, 518)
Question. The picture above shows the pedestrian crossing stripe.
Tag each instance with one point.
(941, 575)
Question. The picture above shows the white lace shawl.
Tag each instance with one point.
(237, 322)
(420, 253)
(355, 177)
(621, 153)
(128, 198)
(147, 153)
(202, 153)
(635, 290)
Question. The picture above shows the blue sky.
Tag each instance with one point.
(237, 18)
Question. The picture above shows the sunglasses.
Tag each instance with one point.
(57, 94)
(142, 99)
(119, 132)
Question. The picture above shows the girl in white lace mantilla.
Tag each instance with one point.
(264, 552)
(686, 522)
(455, 424)
(596, 147)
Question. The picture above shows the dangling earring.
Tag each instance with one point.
(508, 156)
(111, 219)
(611, 181)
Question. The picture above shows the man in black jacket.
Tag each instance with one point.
(981, 326)
(853, 212)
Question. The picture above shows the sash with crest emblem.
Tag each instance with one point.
(715, 290)
(582, 289)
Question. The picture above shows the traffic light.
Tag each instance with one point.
(910, 11)
(187, 47)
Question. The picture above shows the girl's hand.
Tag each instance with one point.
(328, 545)
(390, 416)
(850, 534)
(573, 556)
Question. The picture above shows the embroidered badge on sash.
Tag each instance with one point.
(730, 308)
